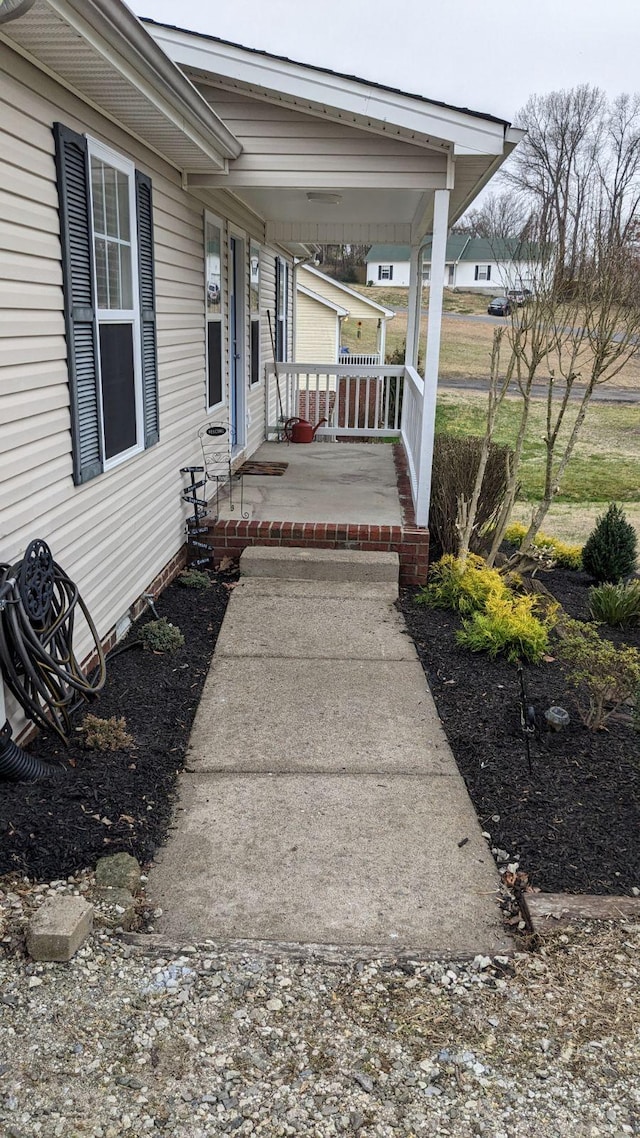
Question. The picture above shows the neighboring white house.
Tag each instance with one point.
(322, 305)
(157, 186)
(476, 263)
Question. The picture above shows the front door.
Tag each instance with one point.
(236, 343)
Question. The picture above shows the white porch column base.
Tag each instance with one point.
(414, 304)
(432, 358)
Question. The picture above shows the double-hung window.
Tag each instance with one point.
(254, 310)
(106, 227)
(385, 272)
(213, 238)
(282, 301)
(483, 273)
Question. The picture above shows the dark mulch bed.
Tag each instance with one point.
(105, 802)
(574, 823)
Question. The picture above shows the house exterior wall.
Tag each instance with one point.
(504, 275)
(316, 331)
(400, 274)
(117, 532)
(279, 141)
(358, 307)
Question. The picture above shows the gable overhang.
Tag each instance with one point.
(102, 53)
(377, 309)
(383, 200)
(337, 308)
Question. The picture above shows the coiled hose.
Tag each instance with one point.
(40, 604)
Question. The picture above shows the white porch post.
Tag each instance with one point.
(382, 339)
(414, 305)
(432, 358)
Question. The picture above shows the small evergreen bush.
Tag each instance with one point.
(510, 624)
(194, 579)
(564, 555)
(161, 636)
(611, 549)
(604, 676)
(616, 605)
(106, 734)
(463, 588)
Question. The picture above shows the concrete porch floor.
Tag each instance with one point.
(325, 482)
(340, 496)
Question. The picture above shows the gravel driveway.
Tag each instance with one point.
(125, 1042)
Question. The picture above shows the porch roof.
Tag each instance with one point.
(99, 50)
(377, 310)
(321, 299)
(333, 158)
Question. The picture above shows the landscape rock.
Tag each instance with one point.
(59, 927)
(115, 908)
(119, 871)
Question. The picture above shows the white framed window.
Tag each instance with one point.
(108, 276)
(113, 211)
(483, 273)
(214, 308)
(385, 272)
(426, 274)
(254, 311)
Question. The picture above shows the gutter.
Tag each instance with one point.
(115, 25)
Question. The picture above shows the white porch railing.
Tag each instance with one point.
(356, 400)
(411, 425)
(374, 401)
(371, 360)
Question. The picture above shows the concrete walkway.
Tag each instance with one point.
(321, 802)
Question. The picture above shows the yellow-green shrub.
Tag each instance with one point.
(511, 624)
(565, 555)
(463, 588)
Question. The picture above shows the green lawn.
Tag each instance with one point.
(606, 462)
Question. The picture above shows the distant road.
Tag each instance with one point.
(604, 394)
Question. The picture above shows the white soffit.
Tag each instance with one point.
(330, 95)
(81, 43)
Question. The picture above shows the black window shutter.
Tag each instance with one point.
(488, 272)
(146, 273)
(475, 277)
(74, 203)
(379, 272)
(390, 272)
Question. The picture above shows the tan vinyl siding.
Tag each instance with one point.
(316, 331)
(278, 140)
(358, 309)
(114, 534)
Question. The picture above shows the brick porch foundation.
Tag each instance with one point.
(411, 543)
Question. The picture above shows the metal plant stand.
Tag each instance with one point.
(216, 442)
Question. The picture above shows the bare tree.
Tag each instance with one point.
(501, 215)
(556, 166)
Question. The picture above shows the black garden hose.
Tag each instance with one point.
(17, 765)
(37, 623)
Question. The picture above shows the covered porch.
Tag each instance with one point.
(327, 158)
(331, 496)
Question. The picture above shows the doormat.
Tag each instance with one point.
(264, 468)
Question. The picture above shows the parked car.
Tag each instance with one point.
(500, 306)
(519, 296)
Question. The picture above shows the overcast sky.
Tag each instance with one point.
(478, 53)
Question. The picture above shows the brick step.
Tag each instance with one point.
(228, 538)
